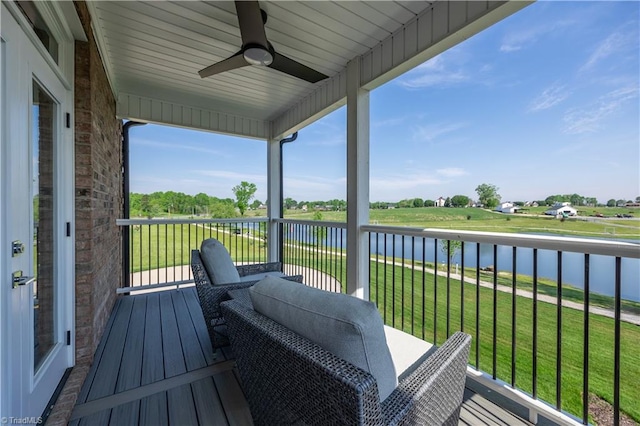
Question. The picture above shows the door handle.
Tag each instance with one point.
(17, 279)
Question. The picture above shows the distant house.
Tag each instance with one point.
(531, 204)
(507, 207)
(440, 202)
(561, 209)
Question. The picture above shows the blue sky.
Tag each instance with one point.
(544, 102)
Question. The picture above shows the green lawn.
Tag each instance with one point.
(472, 219)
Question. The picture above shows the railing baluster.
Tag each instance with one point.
(559, 335)
(495, 312)
(424, 258)
(132, 254)
(385, 278)
(585, 347)
(181, 246)
(462, 286)
(435, 291)
(318, 256)
(413, 275)
(149, 274)
(448, 287)
(371, 271)
(377, 266)
(342, 271)
(477, 339)
(513, 317)
(393, 280)
(307, 251)
(616, 350)
(534, 349)
(402, 284)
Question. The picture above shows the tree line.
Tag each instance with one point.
(177, 203)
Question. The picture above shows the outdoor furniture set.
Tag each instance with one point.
(308, 356)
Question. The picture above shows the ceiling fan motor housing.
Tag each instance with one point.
(255, 54)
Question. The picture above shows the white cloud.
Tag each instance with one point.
(528, 36)
(430, 132)
(393, 187)
(589, 118)
(389, 122)
(177, 146)
(333, 140)
(549, 97)
(311, 188)
(616, 42)
(443, 70)
(236, 177)
(452, 172)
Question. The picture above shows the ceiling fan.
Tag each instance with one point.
(256, 49)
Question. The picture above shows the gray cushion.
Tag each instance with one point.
(261, 275)
(218, 263)
(407, 351)
(350, 328)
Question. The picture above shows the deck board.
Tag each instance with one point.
(171, 347)
(152, 337)
(153, 409)
(207, 401)
(130, 373)
(194, 358)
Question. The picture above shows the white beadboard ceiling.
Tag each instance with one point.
(153, 51)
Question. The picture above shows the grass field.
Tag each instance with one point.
(472, 219)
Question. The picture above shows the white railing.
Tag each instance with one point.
(157, 252)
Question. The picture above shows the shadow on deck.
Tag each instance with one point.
(155, 366)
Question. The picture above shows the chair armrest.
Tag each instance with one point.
(288, 379)
(258, 268)
(433, 393)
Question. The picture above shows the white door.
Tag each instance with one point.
(36, 287)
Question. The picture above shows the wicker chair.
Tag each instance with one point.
(288, 379)
(211, 295)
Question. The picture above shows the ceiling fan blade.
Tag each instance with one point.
(296, 69)
(231, 63)
(251, 24)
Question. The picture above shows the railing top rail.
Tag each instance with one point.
(546, 242)
(341, 225)
(129, 222)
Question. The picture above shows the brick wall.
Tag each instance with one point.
(99, 201)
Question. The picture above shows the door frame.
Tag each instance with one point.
(21, 396)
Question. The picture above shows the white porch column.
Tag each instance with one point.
(357, 183)
(273, 199)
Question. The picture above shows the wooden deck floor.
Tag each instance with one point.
(155, 366)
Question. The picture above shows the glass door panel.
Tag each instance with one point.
(43, 113)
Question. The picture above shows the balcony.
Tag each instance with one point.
(539, 344)
(155, 365)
